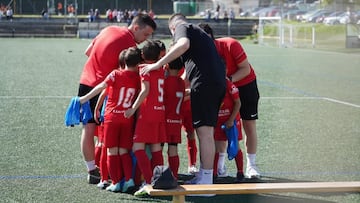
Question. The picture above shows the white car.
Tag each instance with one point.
(334, 18)
(345, 19)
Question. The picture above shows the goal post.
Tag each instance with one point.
(269, 30)
(273, 31)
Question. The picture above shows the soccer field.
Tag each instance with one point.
(308, 127)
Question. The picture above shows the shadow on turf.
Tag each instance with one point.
(248, 198)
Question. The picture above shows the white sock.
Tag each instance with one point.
(206, 176)
(250, 158)
(90, 165)
(221, 162)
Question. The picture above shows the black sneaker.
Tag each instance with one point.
(94, 176)
(239, 177)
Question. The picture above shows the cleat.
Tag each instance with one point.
(94, 176)
(197, 180)
(103, 184)
(141, 192)
(239, 177)
(222, 172)
(252, 172)
(194, 180)
(192, 169)
(114, 188)
(128, 185)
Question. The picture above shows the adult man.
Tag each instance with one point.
(206, 72)
(242, 74)
(103, 57)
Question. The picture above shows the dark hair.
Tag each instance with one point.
(122, 58)
(143, 20)
(206, 27)
(160, 44)
(176, 64)
(132, 56)
(150, 50)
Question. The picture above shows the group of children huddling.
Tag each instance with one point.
(150, 110)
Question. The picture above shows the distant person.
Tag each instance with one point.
(103, 57)
(242, 74)
(44, 13)
(59, 8)
(9, 14)
(206, 72)
(254, 31)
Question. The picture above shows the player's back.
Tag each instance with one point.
(124, 86)
(174, 96)
(152, 109)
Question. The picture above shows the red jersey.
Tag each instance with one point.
(174, 97)
(104, 56)
(123, 88)
(233, 53)
(173, 100)
(152, 109)
(226, 108)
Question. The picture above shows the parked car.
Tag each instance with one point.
(306, 16)
(345, 19)
(312, 18)
(334, 18)
(291, 14)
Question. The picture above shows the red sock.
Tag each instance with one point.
(103, 164)
(216, 160)
(157, 159)
(97, 155)
(126, 163)
(114, 166)
(144, 165)
(192, 151)
(137, 175)
(239, 161)
(174, 163)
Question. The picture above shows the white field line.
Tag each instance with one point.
(323, 98)
(35, 97)
(341, 102)
(283, 98)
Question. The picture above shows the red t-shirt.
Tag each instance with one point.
(226, 108)
(233, 53)
(152, 109)
(123, 88)
(174, 97)
(104, 56)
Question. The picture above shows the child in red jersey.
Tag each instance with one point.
(100, 149)
(229, 111)
(100, 145)
(174, 97)
(124, 86)
(150, 125)
(189, 129)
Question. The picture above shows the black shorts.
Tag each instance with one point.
(205, 104)
(83, 90)
(249, 98)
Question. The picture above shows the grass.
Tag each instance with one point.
(308, 128)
